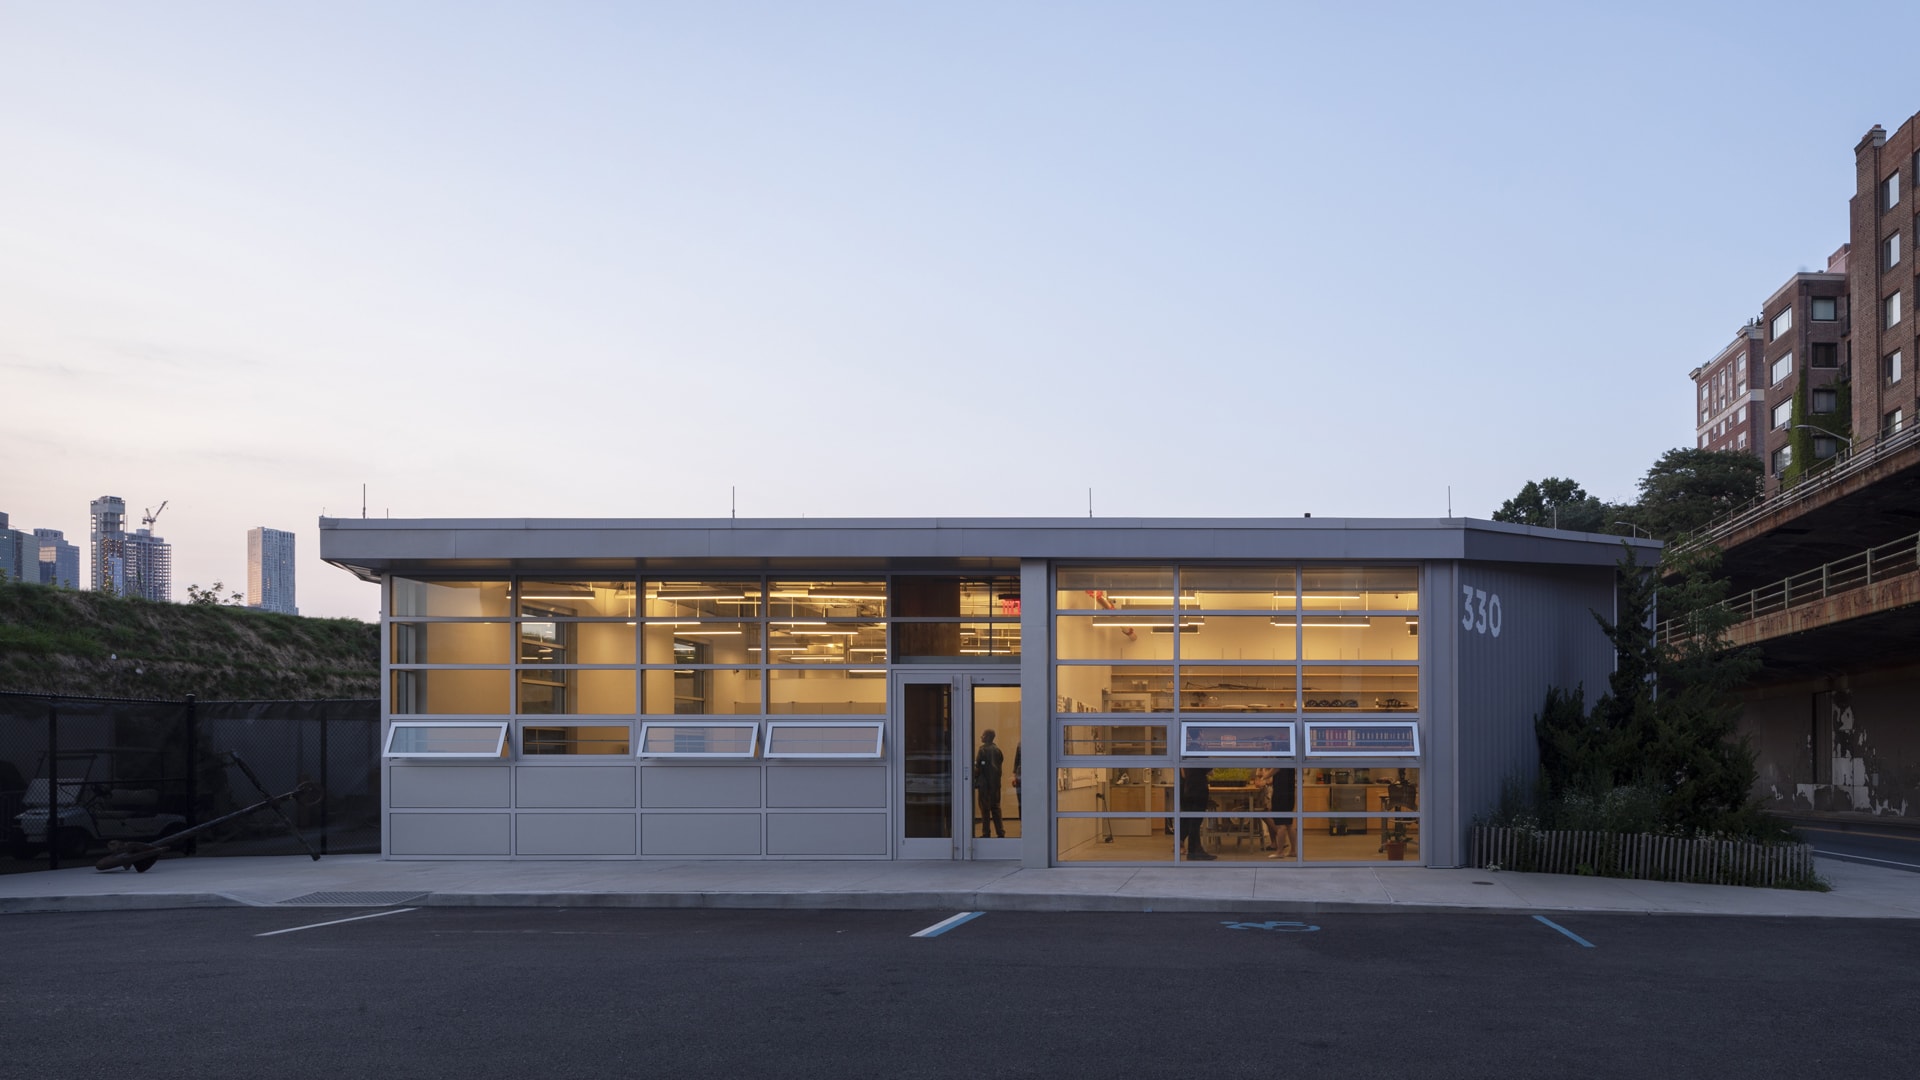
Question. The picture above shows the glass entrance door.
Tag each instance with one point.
(959, 738)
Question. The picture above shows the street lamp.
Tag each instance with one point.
(1637, 530)
(1824, 431)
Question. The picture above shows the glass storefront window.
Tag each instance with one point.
(1361, 637)
(579, 691)
(563, 642)
(1113, 740)
(1114, 588)
(1113, 839)
(932, 596)
(826, 691)
(450, 643)
(1238, 637)
(1362, 738)
(954, 639)
(702, 599)
(1216, 689)
(579, 599)
(690, 642)
(583, 740)
(817, 641)
(1377, 788)
(1360, 588)
(450, 599)
(1104, 688)
(1360, 689)
(700, 691)
(1239, 589)
(473, 691)
(1117, 637)
(827, 599)
(1369, 839)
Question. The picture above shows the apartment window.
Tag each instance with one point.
(1891, 424)
(1891, 248)
(1891, 366)
(1824, 447)
(1741, 416)
(1783, 414)
(1892, 306)
(1890, 192)
(1826, 354)
(1824, 401)
(1703, 393)
(1782, 368)
(1826, 308)
(1782, 458)
(1742, 444)
(1782, 323)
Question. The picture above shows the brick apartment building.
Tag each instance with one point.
(1885, 287)
(1745, 396)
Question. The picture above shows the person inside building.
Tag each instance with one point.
(987, 762)
(1194, 798)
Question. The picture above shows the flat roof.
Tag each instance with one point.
(370, 547)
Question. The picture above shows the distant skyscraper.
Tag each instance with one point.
(108, 540)
(270, 570)
(126, 563)
(15, 566)
(59, 560)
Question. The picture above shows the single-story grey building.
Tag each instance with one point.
(1057, 691)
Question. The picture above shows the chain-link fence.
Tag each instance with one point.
(77, 773)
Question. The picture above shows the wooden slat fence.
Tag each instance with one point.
(1644, 856)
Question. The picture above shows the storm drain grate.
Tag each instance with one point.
(357, 899)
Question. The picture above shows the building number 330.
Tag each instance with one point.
(1479, 611)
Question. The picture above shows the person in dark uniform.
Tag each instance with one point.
(1193, 799)
(987, 762)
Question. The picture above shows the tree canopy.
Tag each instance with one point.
(1556, 503)
(1687, 488)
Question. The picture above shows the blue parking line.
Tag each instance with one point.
(945, 925)
(1582, 942)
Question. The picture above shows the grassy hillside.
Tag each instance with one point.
(60, 641)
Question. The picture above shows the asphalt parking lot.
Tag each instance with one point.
(477, 992)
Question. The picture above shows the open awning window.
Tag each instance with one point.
(443, 739)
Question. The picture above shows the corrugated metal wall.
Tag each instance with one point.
(1547, 637)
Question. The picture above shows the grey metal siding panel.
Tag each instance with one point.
(827, 786)
(700, 834)
(448, 786)
(1548, 637)
(669, 787)
(827, 834)
(582, 786)
(573, 834)
(447, 834)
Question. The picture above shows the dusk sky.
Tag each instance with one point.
(611, 260)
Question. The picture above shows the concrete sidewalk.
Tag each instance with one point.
(367, 881)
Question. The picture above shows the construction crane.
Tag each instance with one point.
(152, 516)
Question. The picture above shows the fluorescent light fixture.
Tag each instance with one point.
(823, 633)
(557, 596)
(697, 632)
(815, 622)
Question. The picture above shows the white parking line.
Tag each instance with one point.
(336, 922)
(945, 925)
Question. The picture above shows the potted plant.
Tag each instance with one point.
(1394, 843)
